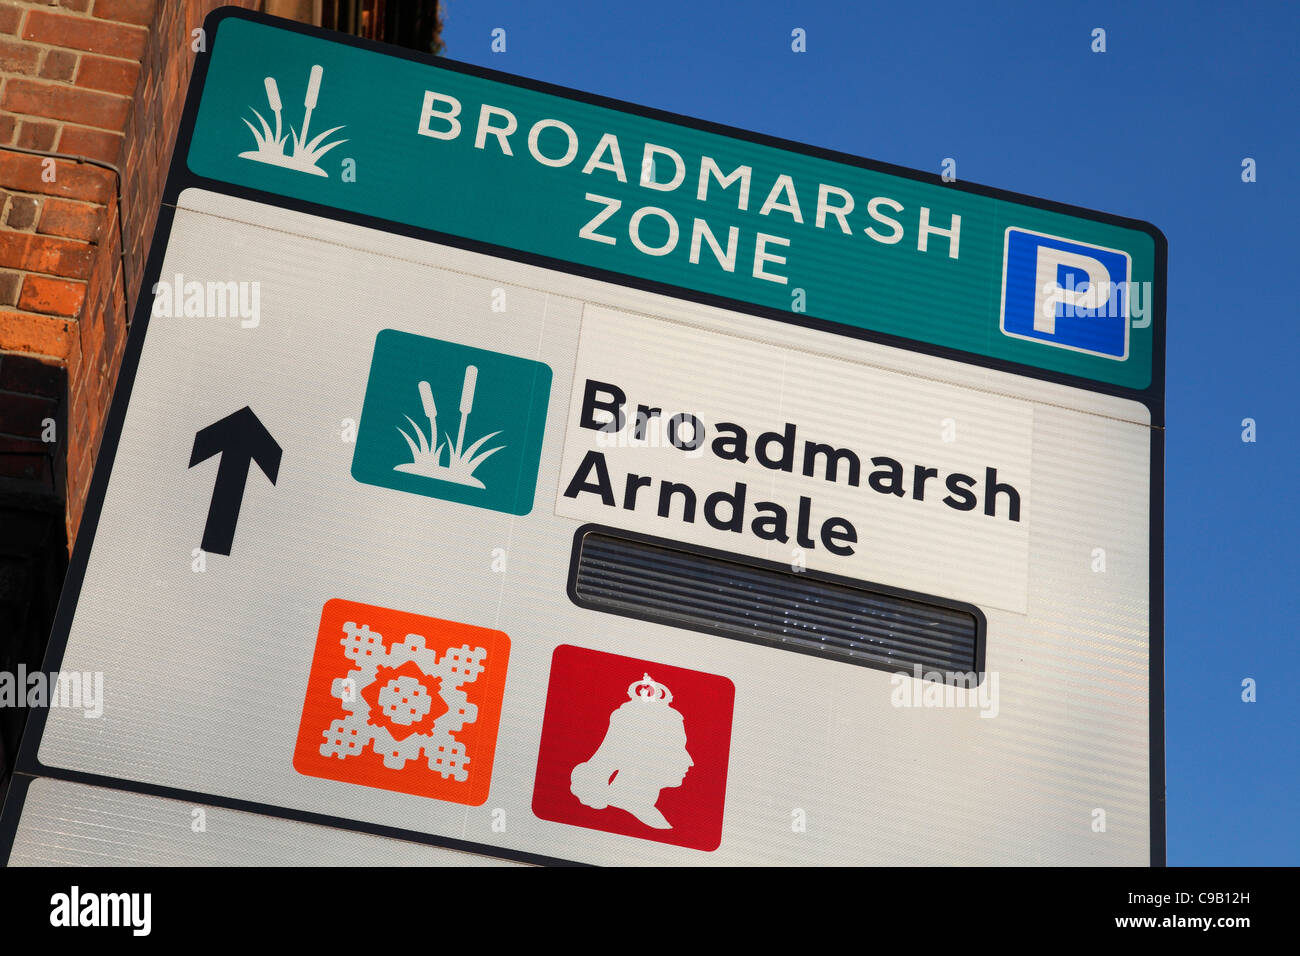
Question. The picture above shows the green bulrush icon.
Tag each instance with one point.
(408, 438)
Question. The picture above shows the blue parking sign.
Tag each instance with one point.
(1064, 293)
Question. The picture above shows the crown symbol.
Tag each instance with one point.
(650, 691)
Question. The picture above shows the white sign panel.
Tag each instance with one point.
(532, 537)
(794, 455)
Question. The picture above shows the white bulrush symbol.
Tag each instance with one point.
(644, 752)
(426, 454)
(270, 143)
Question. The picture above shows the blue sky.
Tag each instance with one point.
(1155, 128)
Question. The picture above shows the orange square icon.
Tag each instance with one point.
(403, 702)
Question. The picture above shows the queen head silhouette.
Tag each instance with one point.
(644, 752)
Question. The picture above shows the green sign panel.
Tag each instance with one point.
(792, 233)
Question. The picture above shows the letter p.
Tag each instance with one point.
(1095, 293)
(1066, 294)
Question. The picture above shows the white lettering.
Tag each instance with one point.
(449, 116)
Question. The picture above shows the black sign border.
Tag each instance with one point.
(180, 178)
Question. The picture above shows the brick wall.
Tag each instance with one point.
(105, 80)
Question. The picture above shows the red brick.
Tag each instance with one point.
(32, 135)
(79, 33)
(111, 76)
(109, 254)
(18, 57)
(10, 283)
(25, 458)
(22, 414)
(52, 296)
(8, 123)
(60, 257)
(38, 334)
(73, 362)
(92, 341)
(86, 107)
(59, 65)
(27, 467)
(71, 180)
(9, 17)
(75, 220)
(94, 143)
(22, 212)
(126, 11)
(75, 450)
(20, 373)
(76, 400)
(81, 6)
(75, 440)
(77, 497)
(84, 431)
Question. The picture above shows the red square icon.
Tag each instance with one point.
(634, 747)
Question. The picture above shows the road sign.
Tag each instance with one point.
(504, 468)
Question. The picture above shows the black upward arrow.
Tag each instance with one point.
(240, 439)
